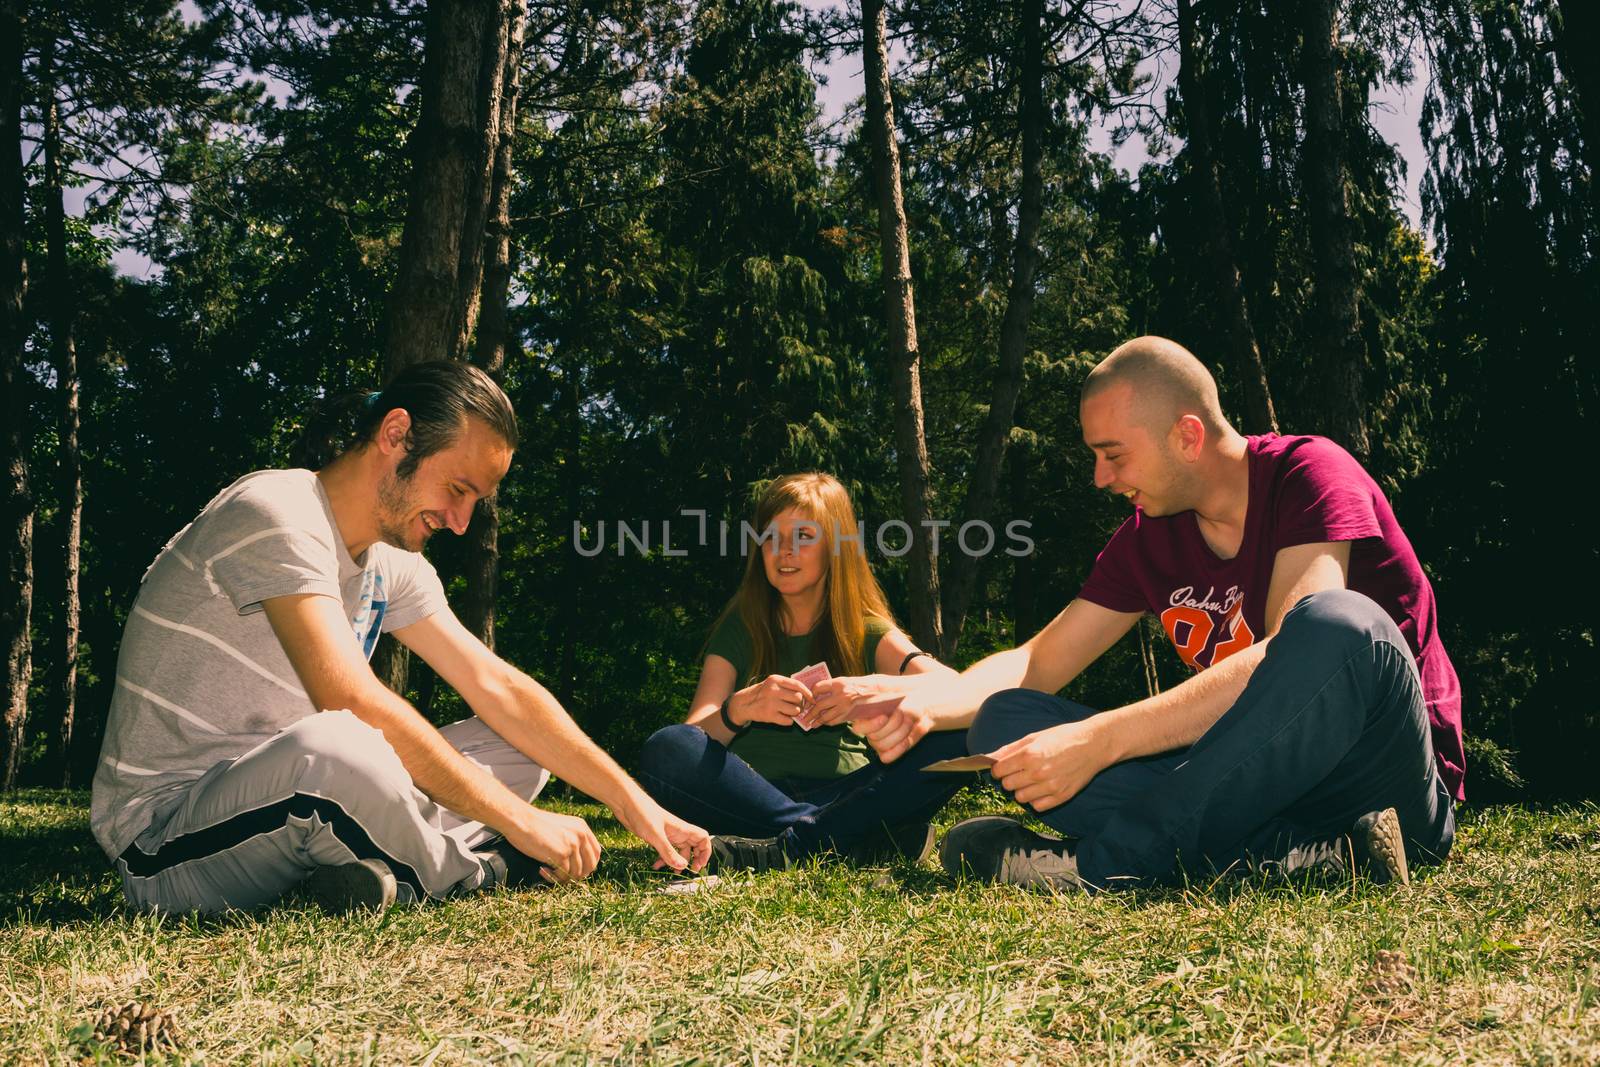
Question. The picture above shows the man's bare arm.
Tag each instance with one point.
(316, 638)
(1054, 656)
(529, 717)
(1180, 715)
(518, 708)
(1048, 768)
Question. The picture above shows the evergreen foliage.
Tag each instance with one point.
(697, 306)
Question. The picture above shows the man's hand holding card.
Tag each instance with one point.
(849, 700)
(898, 728)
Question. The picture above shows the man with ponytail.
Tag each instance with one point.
(250, 748)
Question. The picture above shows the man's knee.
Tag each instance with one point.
(338, 751)
(672, 750)
(1340, 615)
(1014, 713)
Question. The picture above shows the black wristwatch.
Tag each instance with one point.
(727, 720)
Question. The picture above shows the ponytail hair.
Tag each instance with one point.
(439, 395)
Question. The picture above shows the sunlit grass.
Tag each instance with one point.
(1493, 958)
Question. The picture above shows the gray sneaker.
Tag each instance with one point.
(1374, 847)
(759, 854)
(998, 849)
(365, 885)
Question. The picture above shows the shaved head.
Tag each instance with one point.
(1167, 382)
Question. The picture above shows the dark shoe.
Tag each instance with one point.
(997, 849)
(911, 842)
(363, 885)
(759, 854)
(1374, 847)
(509, 867)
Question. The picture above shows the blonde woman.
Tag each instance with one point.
(766, 762)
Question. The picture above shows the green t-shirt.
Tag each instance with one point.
(788, 751)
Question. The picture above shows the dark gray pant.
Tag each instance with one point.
(1331, 725)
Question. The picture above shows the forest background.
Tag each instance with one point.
(690, 280)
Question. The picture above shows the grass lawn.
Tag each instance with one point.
(1494, 958)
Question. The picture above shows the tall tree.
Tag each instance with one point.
(435, 291)
(1335, 335)
(61, 298)
(1239, 335)
(16, 598)
(1577, 39)
(434, 301)
(494, 338)
(983, 486)
(900, 320)
(1509, 197)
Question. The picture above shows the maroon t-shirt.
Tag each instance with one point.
(1303, 490)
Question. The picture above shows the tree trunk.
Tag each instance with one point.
(1239, 335)
(493, 83)
(435, 292)
(425, 314)
(64, 355)
(996, 431)
(16, 599)
(482, 565)
(1335, 336)
(1147, 657)
(1024, 597)
(900, 318)
(1577, 39)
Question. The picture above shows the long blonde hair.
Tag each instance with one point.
(851, 594)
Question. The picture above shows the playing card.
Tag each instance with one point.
(873, 709)
(691, 885)
(965, 763)
(817, 672)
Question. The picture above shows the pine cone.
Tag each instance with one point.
(136, 1026)
(1392, 974)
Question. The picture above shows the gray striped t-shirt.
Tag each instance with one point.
(201, 677)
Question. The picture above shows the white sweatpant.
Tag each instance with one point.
(327, 790)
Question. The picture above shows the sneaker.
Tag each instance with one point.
(510, 867)
(998, 849)
(1380, 848)
(1374, 847)
(759, 854)
(911, 842)
(365, 885)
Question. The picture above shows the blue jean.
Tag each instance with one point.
(1330, 726)
(696, 778)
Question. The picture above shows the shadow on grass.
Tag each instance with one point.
(55, 873)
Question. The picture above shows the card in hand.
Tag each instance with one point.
(817, 672)
(965, 763)
(873, 709)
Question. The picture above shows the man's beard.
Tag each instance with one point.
(395, 502)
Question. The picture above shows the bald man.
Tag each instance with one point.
(1321, 730)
